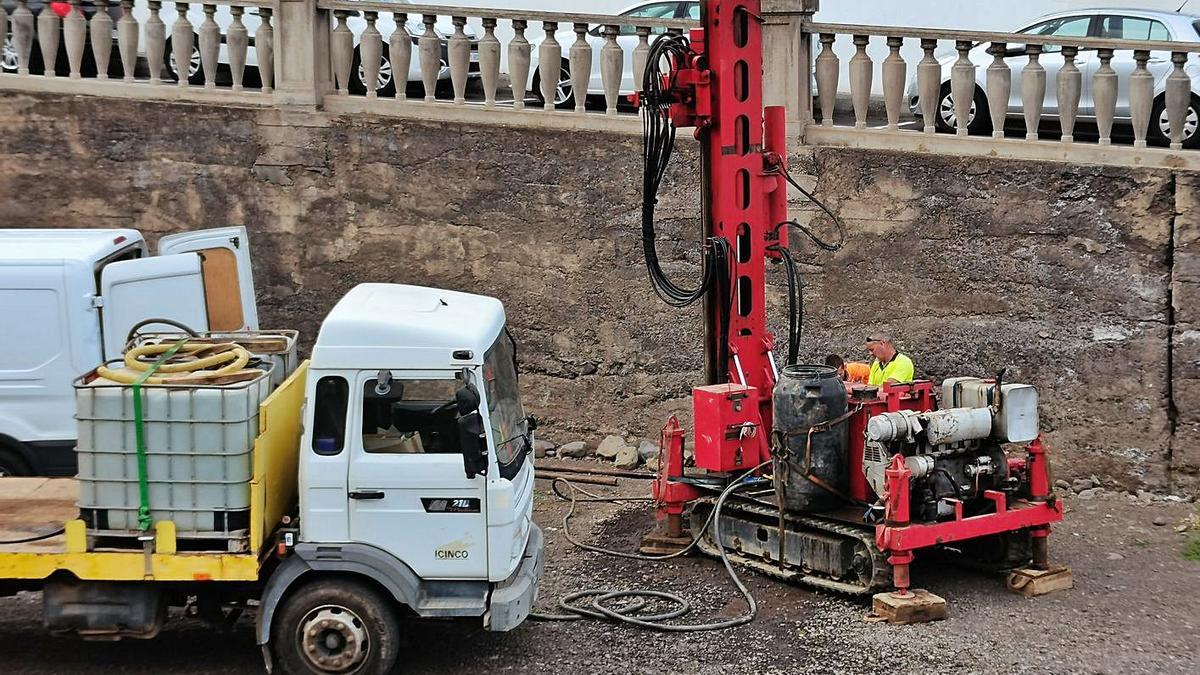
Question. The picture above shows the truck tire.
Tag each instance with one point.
(335, 626)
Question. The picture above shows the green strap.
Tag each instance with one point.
(139, 433)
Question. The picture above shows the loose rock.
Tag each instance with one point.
(652, 464)
(542, 448)
(627, 458)
(1090, 493)
(647, 451)
(609, 447)
(1159, 521)
(1062, 484)
(574, 449)
(1081, 484)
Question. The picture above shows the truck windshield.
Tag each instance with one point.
(504, 400)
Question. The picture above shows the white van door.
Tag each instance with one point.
(166, 287)
(228, 281)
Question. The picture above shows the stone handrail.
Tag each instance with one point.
(535, 40)
(959, 80)
(192, 31)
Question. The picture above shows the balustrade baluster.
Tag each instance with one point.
(999, 88)
(1179, 92)
(612, 62)
(400, 54)
(237, 42)
(459, 51)
(370, 52)
(101, 30)
(929, 85)
(264, 49)
(430, 48)
(489, 61)
(1069, 90)
(549, 64)
(519, 56)
(861, 71)
(210, 45)
(341, 43)
(1033, 91)
(641, 54)
(1141, 97)
(127, 40)
(827, 78)
(182, 39)
(1104, 95)
(22, 35)
(962, 87)
(74, 37)
(156, 42)
(47, 36)
(581, 67)
(894, 73)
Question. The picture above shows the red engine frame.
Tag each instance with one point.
(718, 90)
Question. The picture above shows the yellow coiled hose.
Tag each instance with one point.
(234, 357)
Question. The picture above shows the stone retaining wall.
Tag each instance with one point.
(1076, 279)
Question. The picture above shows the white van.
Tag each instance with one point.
(68, 299)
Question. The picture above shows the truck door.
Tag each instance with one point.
(407, 491)
(228, 279)
(166, 287)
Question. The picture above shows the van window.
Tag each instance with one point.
(409, 416)
(329, 415)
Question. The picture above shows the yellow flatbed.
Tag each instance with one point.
(32, 507)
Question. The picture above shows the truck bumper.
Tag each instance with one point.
(513, 598)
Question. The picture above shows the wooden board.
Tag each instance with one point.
(1033, 583)
(222, 289)
(919, 606)
(35, 506)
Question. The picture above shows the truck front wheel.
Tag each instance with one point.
(336, 626)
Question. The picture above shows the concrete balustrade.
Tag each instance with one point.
(578, 64)
(970, 95)
(212, 39)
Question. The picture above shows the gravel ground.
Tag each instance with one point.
(1135, 609)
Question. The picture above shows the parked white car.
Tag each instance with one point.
(1114, 24)
(563, 93)
(250, 18)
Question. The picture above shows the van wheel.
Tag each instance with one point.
(12, 464)
(336, 627)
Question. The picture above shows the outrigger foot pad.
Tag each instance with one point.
(914, 606)
(1033, 583)
(658, 542)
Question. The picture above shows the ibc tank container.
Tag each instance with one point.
(199, 443)
(806, 396)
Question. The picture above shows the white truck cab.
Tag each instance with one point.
(415, 460)
(70, 296)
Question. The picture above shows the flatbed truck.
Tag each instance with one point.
(392, 479)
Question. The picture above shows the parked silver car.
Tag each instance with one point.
(1113, 24)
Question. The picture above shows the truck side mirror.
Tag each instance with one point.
(466, 399)
(473, 443)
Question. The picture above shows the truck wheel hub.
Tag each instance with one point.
(333, 639)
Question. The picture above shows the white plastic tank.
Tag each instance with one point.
(199, 446)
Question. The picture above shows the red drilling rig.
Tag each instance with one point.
(862, 479)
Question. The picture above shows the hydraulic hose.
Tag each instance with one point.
(598, 608)
(233, 357)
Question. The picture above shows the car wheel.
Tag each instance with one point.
(1160, 125)
(336, 626)
(978, 121)
(8, 58)
(12, 464)
(386, 81)
(195, 68)
(564, 92)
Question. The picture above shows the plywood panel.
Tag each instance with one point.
(222, 292)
